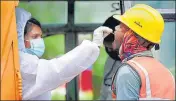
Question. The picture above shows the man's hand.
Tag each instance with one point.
(100, 33)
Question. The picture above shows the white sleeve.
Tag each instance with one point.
(53, 73)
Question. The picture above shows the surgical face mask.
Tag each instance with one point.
(37, 47)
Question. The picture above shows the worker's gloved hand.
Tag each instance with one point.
(100, 33)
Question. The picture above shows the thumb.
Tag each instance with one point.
(106, 31)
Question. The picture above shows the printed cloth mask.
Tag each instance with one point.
(130, 45)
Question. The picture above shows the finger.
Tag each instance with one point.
(105, 34)
(106, 29)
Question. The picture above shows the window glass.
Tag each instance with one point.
(95, 11)
(54, 46)
(94, 74)
(83, 36)
(158, 4)
(47, 12)
(59, 93)
(85, 78)
(166, 54)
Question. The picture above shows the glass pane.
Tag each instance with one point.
(98, 72)
(54, 46)
(85, 78)
(82, 36)
(95, 11)
(157, 4)
(91, 79)
(166, 54)
(59, 93)
(47, 12)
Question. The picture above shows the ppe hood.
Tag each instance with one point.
(22, 16)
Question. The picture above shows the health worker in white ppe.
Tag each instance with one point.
(40, 76)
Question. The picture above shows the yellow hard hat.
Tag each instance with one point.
(144, 21)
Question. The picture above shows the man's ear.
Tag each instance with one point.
(26, 41)
(27, 44)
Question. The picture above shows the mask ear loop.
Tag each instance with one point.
(106, 76)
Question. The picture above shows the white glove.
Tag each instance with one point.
(100, 33)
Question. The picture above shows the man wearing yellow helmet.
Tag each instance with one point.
(141, 77)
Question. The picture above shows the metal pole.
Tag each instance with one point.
(70, 43)
(122, 6)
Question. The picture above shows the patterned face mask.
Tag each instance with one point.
(130, 45)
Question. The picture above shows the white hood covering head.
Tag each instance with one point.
(22, 16)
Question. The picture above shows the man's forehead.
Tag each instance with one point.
(123, 25)
(36, 29)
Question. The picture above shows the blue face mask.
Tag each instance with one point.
(37, 47)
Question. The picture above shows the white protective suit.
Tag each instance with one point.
(40, 76)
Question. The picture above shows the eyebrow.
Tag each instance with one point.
(36, 33)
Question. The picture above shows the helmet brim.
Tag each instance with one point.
(121, 19)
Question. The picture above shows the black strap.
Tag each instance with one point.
(106, 76)
(114, 76)
(113, 79)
